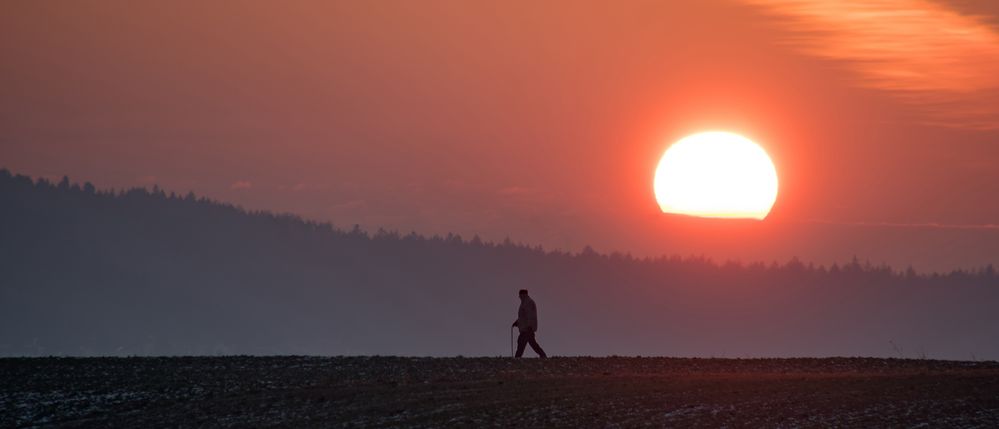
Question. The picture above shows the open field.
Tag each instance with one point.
(496, 392)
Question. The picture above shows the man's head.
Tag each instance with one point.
(523, 293)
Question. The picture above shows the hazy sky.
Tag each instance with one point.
(541, 121)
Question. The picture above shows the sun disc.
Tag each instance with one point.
(718, 175)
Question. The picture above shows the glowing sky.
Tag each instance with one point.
(541, 122)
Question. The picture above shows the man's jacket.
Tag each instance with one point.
(527, 315)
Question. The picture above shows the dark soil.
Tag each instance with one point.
(496, 392)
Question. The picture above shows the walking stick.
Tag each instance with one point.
(511, 341)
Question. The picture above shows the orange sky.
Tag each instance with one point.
(541, 122)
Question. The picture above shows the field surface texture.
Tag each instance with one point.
(496, 392)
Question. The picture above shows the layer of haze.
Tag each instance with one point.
(541, 122)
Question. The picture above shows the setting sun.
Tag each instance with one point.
(718, 175)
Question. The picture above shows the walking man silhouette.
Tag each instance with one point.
(527, 322)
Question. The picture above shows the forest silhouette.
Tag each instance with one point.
(147, 272)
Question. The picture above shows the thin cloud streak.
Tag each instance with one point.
(944, 63)
(241, 184)
(987, 226)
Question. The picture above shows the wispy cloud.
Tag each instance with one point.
(943, 62)
(348, 206)
(241, 184)
(934, 225)
(515, 190)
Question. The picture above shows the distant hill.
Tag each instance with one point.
(95, 272)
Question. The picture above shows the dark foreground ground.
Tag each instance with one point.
(496, 392)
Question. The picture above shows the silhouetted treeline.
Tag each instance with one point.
(88, 271)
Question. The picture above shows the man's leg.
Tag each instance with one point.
(537, 347)
(521, 343)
